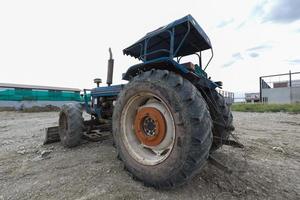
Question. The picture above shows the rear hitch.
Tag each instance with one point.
(219, 165)
(93, 133)
(233, 143)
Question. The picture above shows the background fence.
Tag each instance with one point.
(280, 88)
(229, 96)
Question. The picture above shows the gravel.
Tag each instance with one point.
(267, 168)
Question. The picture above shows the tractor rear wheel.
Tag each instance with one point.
(162, 128)
(222, 119)
(71, 125)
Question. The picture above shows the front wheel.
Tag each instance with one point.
(162, 128)
(71, 125)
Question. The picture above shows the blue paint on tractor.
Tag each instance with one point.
(158, 63)
(96, 94)
(108, 91)
(180, 38)
(158, 50)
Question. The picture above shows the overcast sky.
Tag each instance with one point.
(65, 43)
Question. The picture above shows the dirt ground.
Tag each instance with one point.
(267, 168)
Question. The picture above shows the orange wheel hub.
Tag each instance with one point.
(150, 126)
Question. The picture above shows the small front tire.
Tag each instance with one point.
(71, 125)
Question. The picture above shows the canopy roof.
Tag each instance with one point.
(179, 38)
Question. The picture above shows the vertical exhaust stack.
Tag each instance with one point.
(110, 68)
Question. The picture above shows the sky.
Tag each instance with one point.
(65, 42)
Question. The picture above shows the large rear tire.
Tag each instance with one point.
(162, 128)
(222, 119)
(71, 125)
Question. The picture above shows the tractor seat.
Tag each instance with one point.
(189, 66)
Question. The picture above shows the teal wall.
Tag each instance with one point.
(11, 94)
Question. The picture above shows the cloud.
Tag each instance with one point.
(253, 54)
(237, 56)
(225, 23)
(229, 63)
(294, 61)
(241, 25)
(259, 47)
(259, 9)
(234, 58)
(278, 11)
(256, 51)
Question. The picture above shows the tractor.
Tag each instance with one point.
(168, 119)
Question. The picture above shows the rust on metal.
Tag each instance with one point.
(150, 126)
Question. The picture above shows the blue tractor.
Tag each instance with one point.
(168, 118)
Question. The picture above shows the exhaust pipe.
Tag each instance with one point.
(110, 68)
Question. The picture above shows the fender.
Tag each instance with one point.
(167, 63)
(160, 63)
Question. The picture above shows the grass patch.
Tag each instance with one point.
(258, 107)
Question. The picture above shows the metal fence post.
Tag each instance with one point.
(260, 92)
(290, 83)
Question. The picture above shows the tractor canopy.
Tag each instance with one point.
(180, 38)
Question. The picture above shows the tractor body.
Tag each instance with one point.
(161, 49)
(168, 118)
